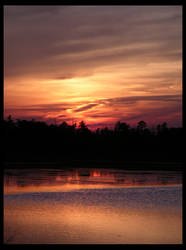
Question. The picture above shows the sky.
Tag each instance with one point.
(99, 64)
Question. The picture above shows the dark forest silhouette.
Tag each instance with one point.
(35, 140)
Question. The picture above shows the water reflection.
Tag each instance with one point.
(92, 206)
(55, 179)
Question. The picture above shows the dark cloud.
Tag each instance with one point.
(44, 108)
(100, 115)
(157, 114)
(118, 102)
(42, 40)
(28, 117)
(86, 107)
(151, 113)
(63, 77)
(61, 116)
(134, 99)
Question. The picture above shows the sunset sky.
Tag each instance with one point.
(100, 64)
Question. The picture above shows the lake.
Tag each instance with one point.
(92, 206)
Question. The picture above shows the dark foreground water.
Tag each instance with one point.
(78, 206)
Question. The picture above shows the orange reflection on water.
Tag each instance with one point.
(92, 206)
(43, 180)
(95, 173)
(79, 224)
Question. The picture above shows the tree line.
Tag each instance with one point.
(36, 140)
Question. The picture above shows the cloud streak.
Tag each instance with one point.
(86, 107)
(134, 99)
(59, 38)
(93, 62)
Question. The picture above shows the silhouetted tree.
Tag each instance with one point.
(83, 129)
(9, 122)
(162, 128)
(9, 119)
(35, 139)
(141, 125)
(98, 131)
(121, 128)
(82, 125)
(63, 125)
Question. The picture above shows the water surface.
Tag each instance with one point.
(87, 206)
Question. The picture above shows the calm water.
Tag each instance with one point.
(92, 206)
